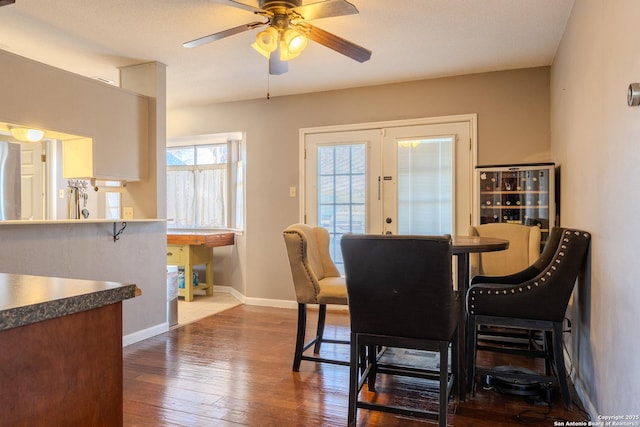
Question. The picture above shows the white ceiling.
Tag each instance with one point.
(410, 40)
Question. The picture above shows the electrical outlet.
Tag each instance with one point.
(292, 191)
(61, 194)
(127, 212)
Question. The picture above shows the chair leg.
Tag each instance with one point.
(456, 364)
(322, 315)
(355, 355)
(549, 362)
(302, 326)
(372, 354)
(472, 332)
(444, 368)
(558, 357)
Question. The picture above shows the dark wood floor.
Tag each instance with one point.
(234, 368)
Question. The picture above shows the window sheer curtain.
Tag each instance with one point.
(212, 192)
(180, 197)
(199, 197)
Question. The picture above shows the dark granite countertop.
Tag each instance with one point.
(28, 299)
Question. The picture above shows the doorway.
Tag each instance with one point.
(401, 177)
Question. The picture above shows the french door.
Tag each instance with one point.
(395, 178)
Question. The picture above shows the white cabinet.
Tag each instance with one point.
(119, 152)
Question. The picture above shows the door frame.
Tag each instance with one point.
(471, 119)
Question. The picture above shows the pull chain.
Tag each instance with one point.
(268, 82)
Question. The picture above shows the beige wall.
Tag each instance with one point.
(513, 127)
(595, 139)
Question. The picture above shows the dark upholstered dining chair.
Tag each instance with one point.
(535, 298)
(401, 297)
(317, 281)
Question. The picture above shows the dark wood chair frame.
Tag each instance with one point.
(316, 342)
(376, 345)
(534, 299)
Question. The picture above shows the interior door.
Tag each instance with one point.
(33, 195)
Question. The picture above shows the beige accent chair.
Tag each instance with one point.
(524, 249)
(317, 281)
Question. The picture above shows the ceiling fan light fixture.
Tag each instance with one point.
(26, 134)
(266, 41)
(292, 44)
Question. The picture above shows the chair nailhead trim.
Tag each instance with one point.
(542, 280)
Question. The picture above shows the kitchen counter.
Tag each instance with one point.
(28, 299)
(61, 358)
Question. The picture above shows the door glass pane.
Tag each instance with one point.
(425, 186)
(341, 199)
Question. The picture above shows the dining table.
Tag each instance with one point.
(461, 247)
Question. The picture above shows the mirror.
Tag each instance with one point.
(43, 177)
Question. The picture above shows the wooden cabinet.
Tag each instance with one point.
(61, 358)
(189, 256)
(191, 249)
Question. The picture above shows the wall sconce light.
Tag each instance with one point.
(26, 134)
(633, 95)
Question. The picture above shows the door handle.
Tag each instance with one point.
(388, 220)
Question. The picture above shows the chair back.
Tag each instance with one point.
(309, 259)
(543, 296)
(524, 249)
(400, 285)
(534, 269)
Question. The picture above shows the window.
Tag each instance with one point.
(205, 183)
(341, 193)
(112, 199)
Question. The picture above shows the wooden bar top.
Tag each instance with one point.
(205, 238)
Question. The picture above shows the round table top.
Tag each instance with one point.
(467, 244)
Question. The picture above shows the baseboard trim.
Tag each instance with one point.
(584, 397)
(144, 334)
(578, 384)
(260, 302)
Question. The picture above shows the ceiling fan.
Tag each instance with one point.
(288, 30)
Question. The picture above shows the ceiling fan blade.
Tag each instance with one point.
(338, 44)
(325, 9)
(242, 6)
(222, 34)
(6, 2)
